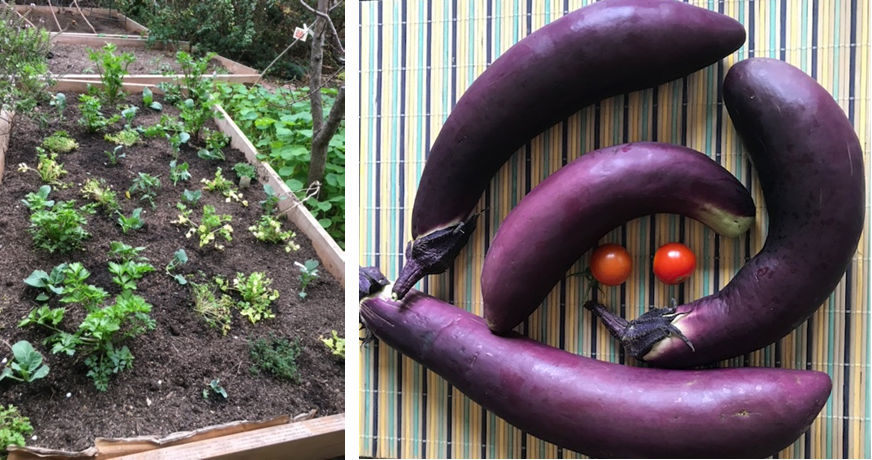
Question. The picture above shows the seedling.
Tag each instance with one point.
(214, 310)
(255, 293)
(226, 187)
(194, 115)
(60, 142)
(271, 202)
(38, 200)
(102, 194)
(176, 141)
(178, 172)
(114, 155)
(76, 291)
(112, 70)
(148, 100)
(127, 273)
(26, 365)
(125, 253)
(210, 225)
(59, 102)
(51, 282)
(147, 185)
(336, 344)
(129, 113)
(246, 172)
(214, 388)
(275, 356)
(49, 170)
(192, 197)
(269, 230)
(134, 222)
(13, 427)
(215, 141)
(180, 257)
(60, 228)
(126, 137)
(308, 272)
(92, 119)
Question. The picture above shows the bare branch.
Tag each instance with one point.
(51, 8)
(76, 2)
(276, 59)
(333, 119)
(329, 22)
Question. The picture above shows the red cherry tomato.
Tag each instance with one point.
(610, 264)
(674, 263)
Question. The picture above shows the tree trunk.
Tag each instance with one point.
(316, 61)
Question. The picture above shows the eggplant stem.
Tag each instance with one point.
(432, 254)
(639, 335)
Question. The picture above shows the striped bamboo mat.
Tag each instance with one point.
(417, 58)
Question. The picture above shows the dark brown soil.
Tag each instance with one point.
(73, 59)
(175, 361)
(71, 21)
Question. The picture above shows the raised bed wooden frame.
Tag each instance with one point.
(313, 439)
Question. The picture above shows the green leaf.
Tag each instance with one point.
(294, 184)
(155, 106)
(37, 279)
(325, 222)
(263, 122)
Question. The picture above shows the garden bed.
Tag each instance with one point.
(69, 58)
(71, 21)
(175, 362)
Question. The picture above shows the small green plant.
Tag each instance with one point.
(129, 113)
(125, 252)
(134, 222)
(114, 155)
(38, 200)
(14, 428)
(99, 335)
(269, 230)
(243, 169)
(336, 344)
(192, 197)
(47, 166)
(271, 202)
(227, 188)
(215, 141)
(147, 186)
(92, 119)
(126, 137)
(26, 365)
(102, 194)
(176, 141)
(148, 100)
(76, 291)
(178, 172)
(180, 257)
(112, 70)
(60, 228)
(214, 388)
(214, 310)
(211, 224)
(60, 142)
(59, 102)
(52, 282)
(195, 115)
(275, 356)
(127, 273)
(308, 272)
(255, 293)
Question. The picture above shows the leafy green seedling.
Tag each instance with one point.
(176, 141)
(220, 184)
(92, 119)
(127, 273)
(59, 102)
(192, 197)
(275, 356)
(147, 185)
(102, 194)
(129, 113)
(39, 200)
(60, 142)
(112, 70)
(51, 282)
(13, 427)
(47, 166)
(180, 257)
(269, 230)
(114, 155)
(336, 344)
(255, 293)
(26, 365)
(214, 310)
(243, 169)
(178, 172)
(214, 388)
(134, 222)
(308, 272)
(271, 202)
(148, 100)
(61, 228)
(125, 252)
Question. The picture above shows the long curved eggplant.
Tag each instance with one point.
(810, 166)
(600, 409)
(599, 51)
(570, 211)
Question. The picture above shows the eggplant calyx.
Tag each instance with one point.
(371, 281)
(431, 254)
(641, 334)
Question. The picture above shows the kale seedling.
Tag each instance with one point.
(191, 197)
(147, 185)
(178, 172)
(39, 200)
(113, 155)
(180, 257)
(60, 142)
(271, 202)
(59, 102)
(308, 272)
(26, 365)
(148, 100)
(214, 388)
(129, 113)
(102, 194)
(134, 222)
(176, 141)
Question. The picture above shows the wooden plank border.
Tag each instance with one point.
(155, 79)
(5, 132)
